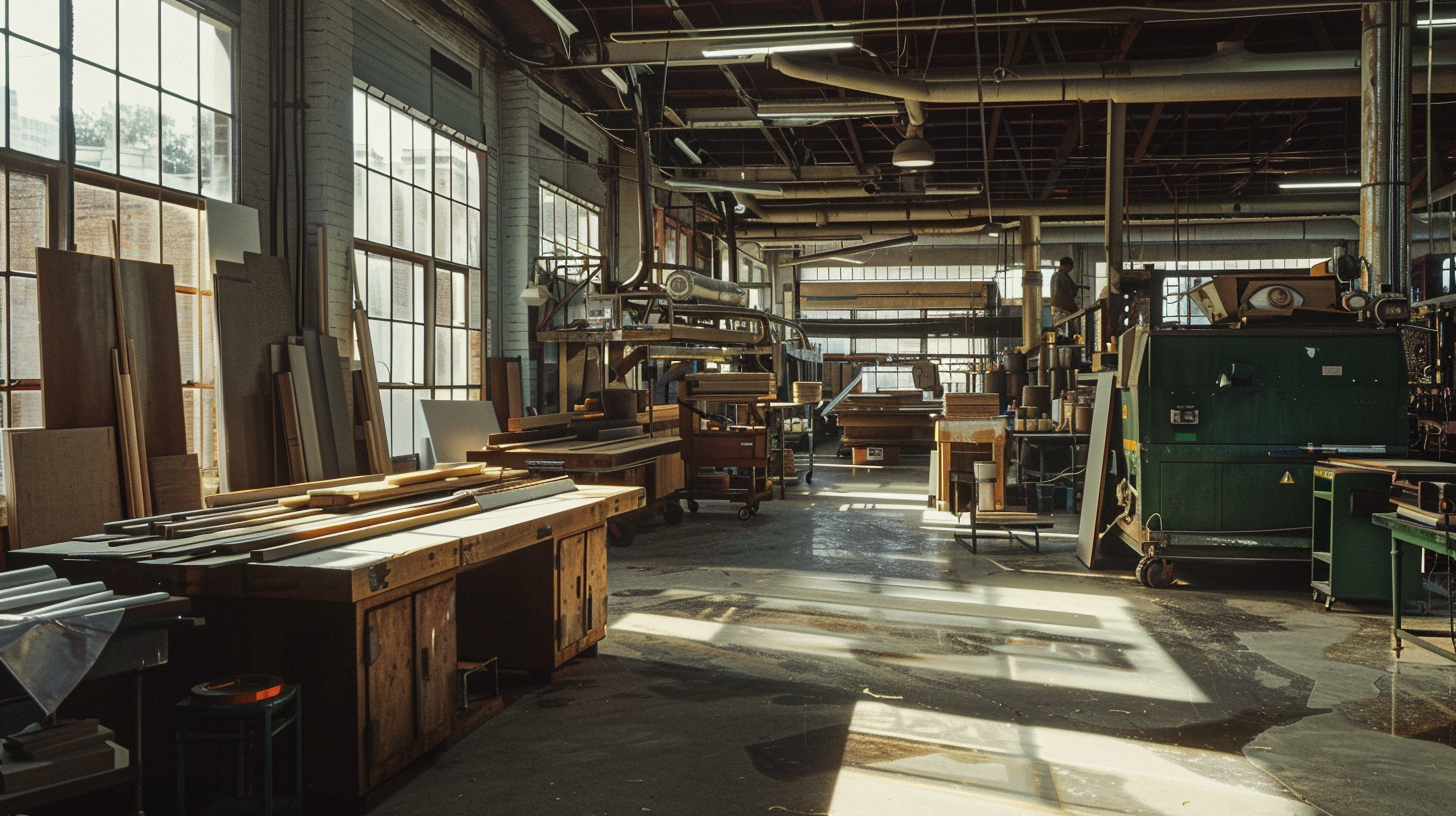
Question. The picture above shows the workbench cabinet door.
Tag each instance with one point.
(571, 590)
(391, 729)
(435, 663)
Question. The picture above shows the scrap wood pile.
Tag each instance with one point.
(284, 522)
(971, 406)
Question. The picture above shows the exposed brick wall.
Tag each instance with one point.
(329, 143)
(252, 110)
(517, 211)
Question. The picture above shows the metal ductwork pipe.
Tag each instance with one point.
(682, 284)
(1113, 198)
(1323, 229)
(1031, 282)
(866, 212)
(1256, 81)
(1385, 73)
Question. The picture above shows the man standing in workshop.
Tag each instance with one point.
(1064, 290)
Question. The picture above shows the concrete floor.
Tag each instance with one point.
(840, 654)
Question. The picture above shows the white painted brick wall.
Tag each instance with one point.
(329, 126)
(519, 208)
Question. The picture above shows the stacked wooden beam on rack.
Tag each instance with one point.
(971, 406)
(746, 383)
(808, 392)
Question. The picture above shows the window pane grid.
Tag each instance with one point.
(417, 230)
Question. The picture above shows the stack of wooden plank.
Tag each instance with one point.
(737, 384)
(808, 392)
(971, 406)
(59, 753)
(115, 435)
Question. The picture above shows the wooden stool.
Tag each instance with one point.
(244, 723)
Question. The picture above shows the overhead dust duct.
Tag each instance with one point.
(1230, 74)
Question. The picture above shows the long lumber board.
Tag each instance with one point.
(578, 455)
(341, 422)
(244, 392)
(149, 309)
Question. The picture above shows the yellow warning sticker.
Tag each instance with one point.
(1129, 444)
(1287, 478)
(1124, 412)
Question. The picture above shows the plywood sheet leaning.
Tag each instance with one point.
(149, 310)
(176, 483)
(498, 389)
(341, 421)
(457, 426)
(321, 413)
(60, 483)
(308, 433)
(288, 414)
(244, 391)
(1097, 505)
(77, 335)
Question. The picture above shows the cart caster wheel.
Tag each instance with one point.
(672, 513)
(809, 477)
(744, 514)
(692, 506)
(1155, 573)
(1315, 596)
(1329, 602)
(619, 535)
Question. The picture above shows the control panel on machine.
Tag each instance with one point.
(1184, 415)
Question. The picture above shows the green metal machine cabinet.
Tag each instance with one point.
(1222, 426)
(1350, 555)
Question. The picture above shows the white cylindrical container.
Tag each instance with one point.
(985, 485)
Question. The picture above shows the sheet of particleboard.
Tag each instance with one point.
(513, 387)
(176, 483)
(341, 421)
(245, 393)
(149, 307)
(313, 457)
(77, 334)
(498, 389)
(457, 426)
(60, 483)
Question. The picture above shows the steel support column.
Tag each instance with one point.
(1385, 90)
(1112, 235)
(1030, 234)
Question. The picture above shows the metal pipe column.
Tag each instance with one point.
(1030, 233)
(1112, 205)
(1385, 77)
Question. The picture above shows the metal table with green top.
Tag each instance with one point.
(1437, 540)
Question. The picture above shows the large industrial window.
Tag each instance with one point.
(417, 245)
(151, 86)
(24, 225)
(570, 227)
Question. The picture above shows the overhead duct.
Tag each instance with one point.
(1256, 78)
(682, 284)
(1227, 230)
(899, 213)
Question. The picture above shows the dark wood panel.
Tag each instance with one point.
(176, 483)
(244, 389)
(77, 335)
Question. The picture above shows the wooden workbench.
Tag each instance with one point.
(374, 631)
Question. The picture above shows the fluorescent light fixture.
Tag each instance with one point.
(992, 228)
(556, 17)
(616, 80)
(687, 151)
(826, 110)
(1319, 185)
(721, 118)
(714, 186)
(973, 189)
(913, 153)
(782, 48)
(1438, 22)
(858, 249)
